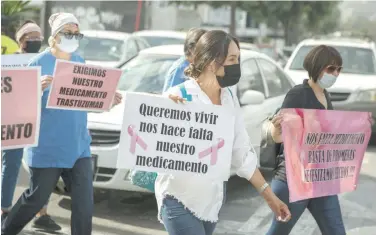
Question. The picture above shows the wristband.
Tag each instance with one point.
(263, 187)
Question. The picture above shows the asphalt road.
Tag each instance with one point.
(245, 213)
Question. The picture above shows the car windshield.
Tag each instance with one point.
(101, 49)
(146, 73)
(355, 60)
(160, 41)
(269, 51)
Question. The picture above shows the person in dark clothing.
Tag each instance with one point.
(323, 64)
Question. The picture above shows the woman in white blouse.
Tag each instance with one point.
(190, 206)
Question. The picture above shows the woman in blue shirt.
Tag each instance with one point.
(64, 141)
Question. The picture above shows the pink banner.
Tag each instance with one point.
(77, 86)
(20, 107)
(324, 150)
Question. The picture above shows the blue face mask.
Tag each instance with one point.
(327, 80)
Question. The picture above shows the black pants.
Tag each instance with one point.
(42, 183)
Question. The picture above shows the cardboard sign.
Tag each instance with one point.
(20, 107)
(324, 150)
(77, 86)
(16, 60)
(159, 135)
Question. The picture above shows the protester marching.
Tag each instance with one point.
(182, 145)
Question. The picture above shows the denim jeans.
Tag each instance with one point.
(325, 210)
(180, 221)
(11, 163)
(42, 183)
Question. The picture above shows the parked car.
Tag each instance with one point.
(355, 88)
(274, 53)
(261, 89)
(109, 48)
(161, 37)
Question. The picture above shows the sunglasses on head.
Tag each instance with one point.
(69, 35)
(333, 68)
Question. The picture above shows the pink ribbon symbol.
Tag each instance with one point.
(136, 139)
(213, 150)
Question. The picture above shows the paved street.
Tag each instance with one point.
(245, 213)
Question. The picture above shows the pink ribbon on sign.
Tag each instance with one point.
(213, 150)
(136, 139)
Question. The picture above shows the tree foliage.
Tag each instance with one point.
(294, 16)
(11, 12)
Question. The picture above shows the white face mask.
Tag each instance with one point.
(68, 45)
(327, 80)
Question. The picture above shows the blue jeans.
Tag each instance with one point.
(180, 221)
(325, 210)
(42, 183)
(11, 161)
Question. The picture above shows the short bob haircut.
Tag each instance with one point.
(319, 58)
(212, 46)
(193, 35)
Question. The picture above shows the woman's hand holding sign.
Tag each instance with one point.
(117, 99)
(177, 99)
(276, 130)
(46, 81)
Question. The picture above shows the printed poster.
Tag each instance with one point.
(324, 150)
(77, 86)
(159, 135)
(20, 107)
(16, 60)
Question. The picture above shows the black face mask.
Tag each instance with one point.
(32, 46)
(231, 77)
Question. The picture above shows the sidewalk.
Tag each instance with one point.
(362, 231)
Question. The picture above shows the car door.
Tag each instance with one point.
(253, 114)
(277, 85)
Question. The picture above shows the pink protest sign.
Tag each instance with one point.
(20, 107)
(324, 150)
(77, 86)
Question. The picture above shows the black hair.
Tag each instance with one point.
(212, 46)
(193, 35)
(319, 58)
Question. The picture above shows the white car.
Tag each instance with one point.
(109, 48)
(355, 88)
(161, 37)
(261, 89)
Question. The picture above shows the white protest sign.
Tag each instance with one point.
(16, 60)
(159, 135)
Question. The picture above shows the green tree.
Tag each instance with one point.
(295, 16)
(322, 17)
(12, 11)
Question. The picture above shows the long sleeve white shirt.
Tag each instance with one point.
(203, 197)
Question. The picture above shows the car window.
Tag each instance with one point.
(131, 49)
(101, 49)
(275, 78)
(146, 73)
(251, 78)
(355, 60)
(141, 44)
(159, 41)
